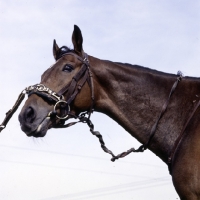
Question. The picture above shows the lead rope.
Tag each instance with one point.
(143, 147)
(10, 113)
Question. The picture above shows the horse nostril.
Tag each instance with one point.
(29, 115)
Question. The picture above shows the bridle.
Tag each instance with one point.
(63, 99)
(65, 96)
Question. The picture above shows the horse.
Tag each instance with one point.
(159, 109)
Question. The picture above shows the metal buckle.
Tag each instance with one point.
(2, 127)
(54, 110)
(85, 60)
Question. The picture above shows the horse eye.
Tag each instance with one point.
(67, 68)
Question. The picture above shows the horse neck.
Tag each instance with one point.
(133, 96)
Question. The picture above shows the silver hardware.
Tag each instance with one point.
(180, 73)
(56, 96)
(61, 101)
(43, 88)
(86, 60)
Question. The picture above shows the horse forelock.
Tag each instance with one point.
(62, 50)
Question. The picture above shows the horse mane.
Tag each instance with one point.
(63, 50)
(146, 69)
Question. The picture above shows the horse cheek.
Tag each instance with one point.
(82, 101)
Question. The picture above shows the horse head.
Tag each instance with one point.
(65, 90)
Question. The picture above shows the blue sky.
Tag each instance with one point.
(69, 164)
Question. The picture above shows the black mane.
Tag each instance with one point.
(63, 50)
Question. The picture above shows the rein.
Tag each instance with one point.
(71, 90)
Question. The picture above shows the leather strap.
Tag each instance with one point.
(179, 139)
(10, 113)
(153, 129)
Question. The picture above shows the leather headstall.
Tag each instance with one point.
(63, 98)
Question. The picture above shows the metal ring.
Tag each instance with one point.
(61, 101)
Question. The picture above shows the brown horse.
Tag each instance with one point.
(131, 95)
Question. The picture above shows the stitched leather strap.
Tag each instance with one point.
(179, 139)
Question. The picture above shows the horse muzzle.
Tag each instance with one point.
(40, 131)
(34, 123)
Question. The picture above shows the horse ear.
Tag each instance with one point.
(56, 49)
(77, 39)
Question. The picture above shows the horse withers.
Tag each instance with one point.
(77, 85)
